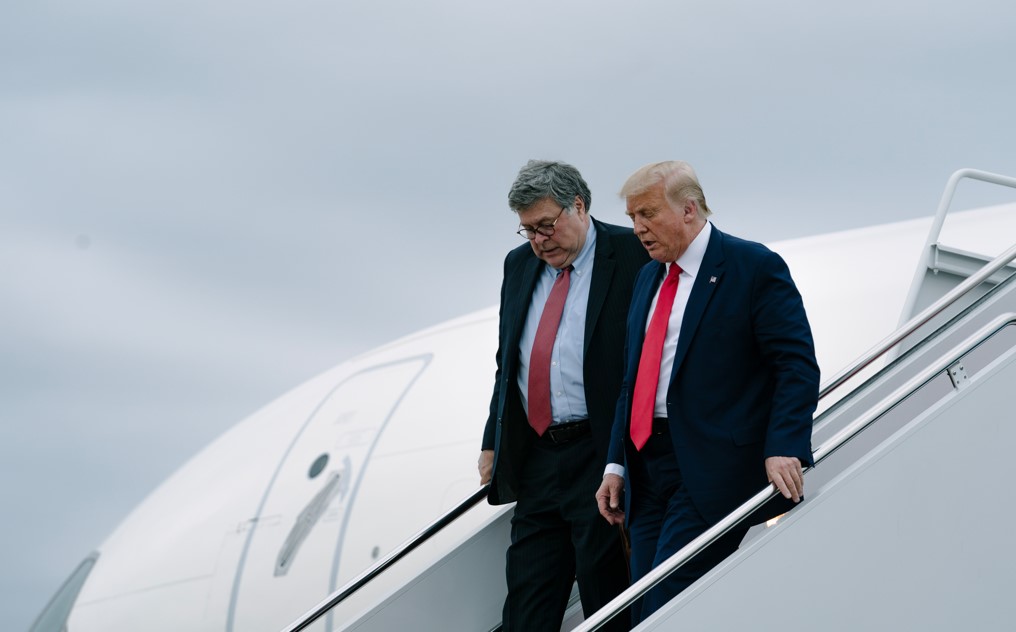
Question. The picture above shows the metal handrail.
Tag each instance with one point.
(939, 221)
(918, 321)
(381, 565)
(646, 583)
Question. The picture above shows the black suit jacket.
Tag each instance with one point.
(744, 384)
(616, 261)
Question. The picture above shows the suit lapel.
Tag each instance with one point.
(603, 271)
(523, 294)
(709, 276)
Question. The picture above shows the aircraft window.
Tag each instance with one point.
(317, 466)
(54, 616)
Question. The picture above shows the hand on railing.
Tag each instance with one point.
(785, 472)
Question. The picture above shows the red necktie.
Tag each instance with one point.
(543, 347)
(644, 397)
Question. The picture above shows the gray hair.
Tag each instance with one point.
(541, 179)
(679, 184)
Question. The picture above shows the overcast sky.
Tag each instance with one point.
(201, 201)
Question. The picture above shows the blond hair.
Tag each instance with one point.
(679, 184)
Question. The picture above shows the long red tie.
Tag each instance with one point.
(644, 397)
(543, 348)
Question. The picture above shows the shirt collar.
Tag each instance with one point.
(691, 260)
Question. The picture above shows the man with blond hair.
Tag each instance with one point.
(720, 384)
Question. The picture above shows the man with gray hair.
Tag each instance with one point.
(720, 383)
(564, 297)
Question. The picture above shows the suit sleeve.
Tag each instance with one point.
(490, 429)
(785, 341)
(615, 451)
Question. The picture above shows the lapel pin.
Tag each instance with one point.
(712, 279)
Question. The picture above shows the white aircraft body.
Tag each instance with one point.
(300, 497)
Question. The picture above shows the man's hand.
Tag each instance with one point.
(485, 465)
(608, 498)
(785, 472)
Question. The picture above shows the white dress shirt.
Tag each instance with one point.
(690, 262)
(567, 388)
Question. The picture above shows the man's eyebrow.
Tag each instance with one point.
(542, 222)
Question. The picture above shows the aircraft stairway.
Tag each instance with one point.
(923, 405)
(913, 534)
(905, 519)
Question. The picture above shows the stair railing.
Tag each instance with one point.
(381, 565)
(936, 227)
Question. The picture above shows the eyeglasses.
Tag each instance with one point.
(544, 229)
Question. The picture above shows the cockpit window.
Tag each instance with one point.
(53, 617)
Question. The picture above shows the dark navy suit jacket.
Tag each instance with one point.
(745, 380)
(616, 261)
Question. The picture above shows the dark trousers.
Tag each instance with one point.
(558, 536)
(662, 519)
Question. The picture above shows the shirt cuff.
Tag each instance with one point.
(614, 468)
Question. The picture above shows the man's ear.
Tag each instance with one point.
(579, 205)
(690, 210)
